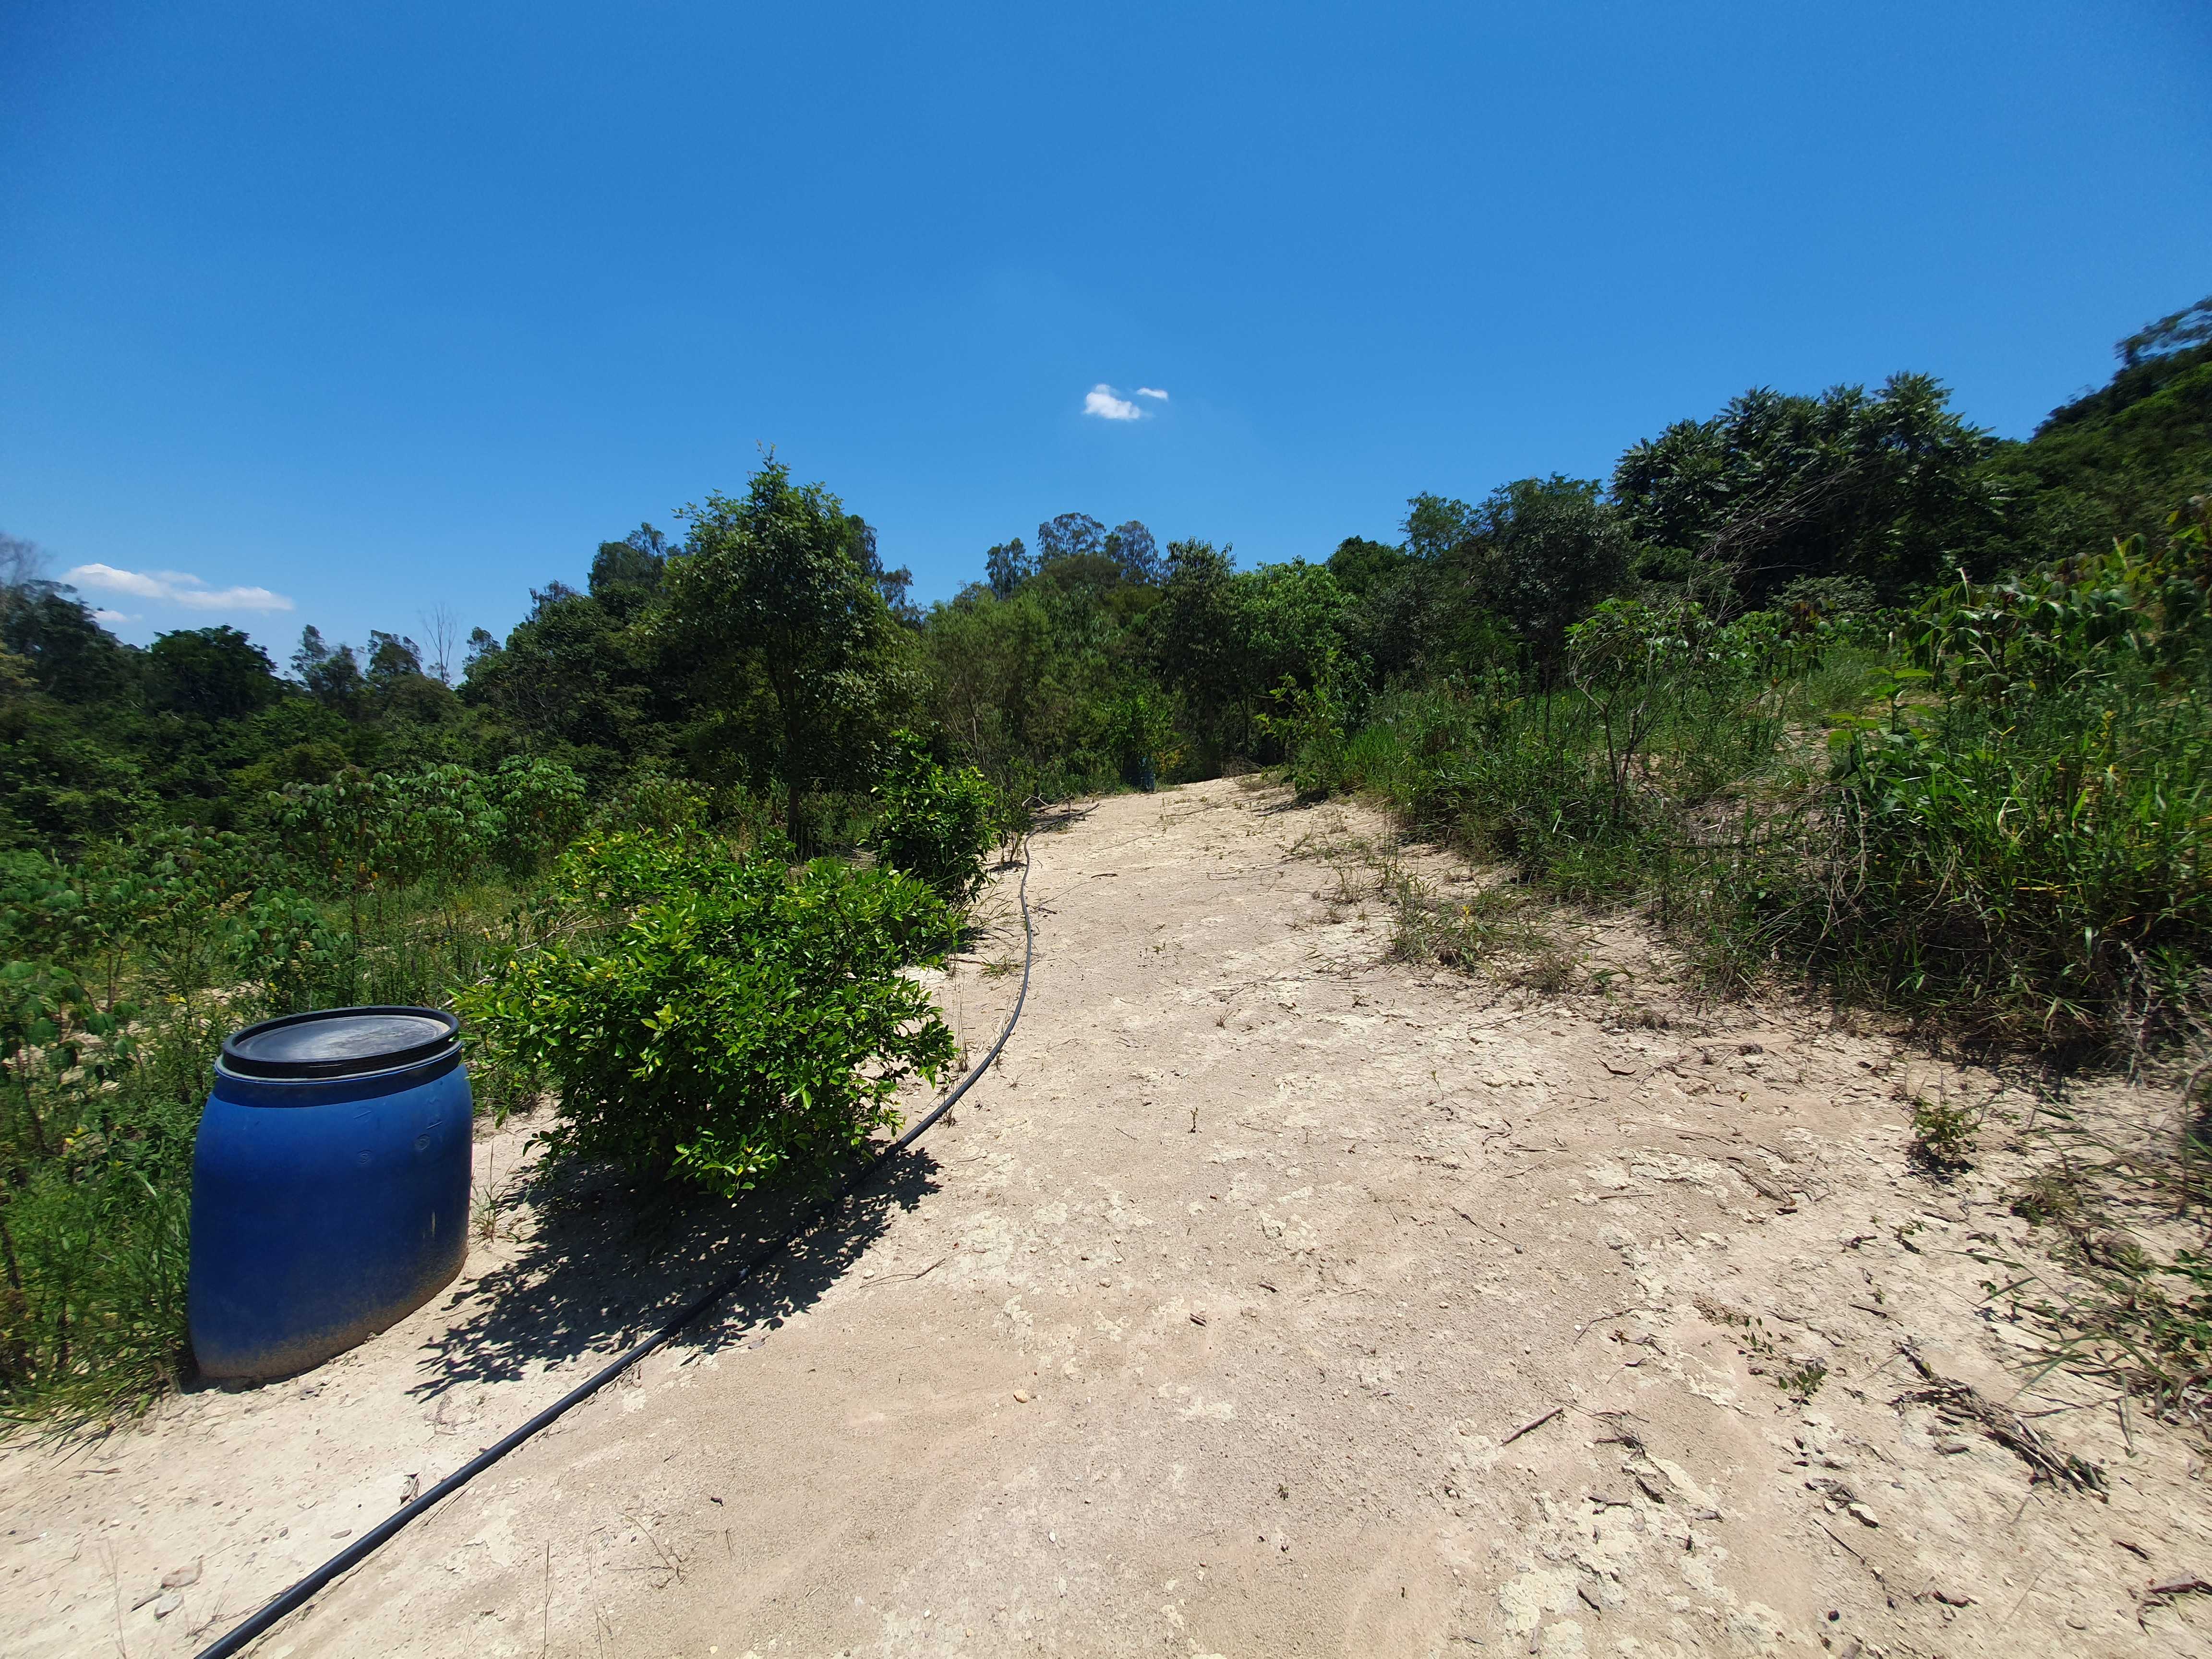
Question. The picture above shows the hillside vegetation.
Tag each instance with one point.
(1845, 689)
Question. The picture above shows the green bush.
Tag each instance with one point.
(95, 1138)
(936, 822)
(743, 1022)
(2023, 833)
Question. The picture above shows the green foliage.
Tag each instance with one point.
(1229, 642)
(1312, 723)
(771, 592)
(541, 805)
(1137, 728)
(741, 1024)
(91, 1246)
(936, 823)
(211, 673)
(1620, 694)
(363, 833)
(1943, 1133)
(2028, 833)
(1020, 683)
(1884, 487)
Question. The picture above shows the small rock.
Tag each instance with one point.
(1951, 1448)
(183, 1577)
(1022, 1395)
(167, 1605)
(1861, 1514)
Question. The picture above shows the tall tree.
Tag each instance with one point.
(331, 674)
(212, 673)
(774, 583)
(1131, 547)
(1884, 486)
(1006, 567)
(1070, 536)
(1547, 550)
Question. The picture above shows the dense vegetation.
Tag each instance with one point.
(1839, 684)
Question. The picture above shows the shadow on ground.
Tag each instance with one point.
(603, 1269)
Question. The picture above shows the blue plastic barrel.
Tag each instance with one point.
(330, 1185)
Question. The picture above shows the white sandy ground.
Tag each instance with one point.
(1207, 1325)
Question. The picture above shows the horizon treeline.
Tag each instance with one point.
(765, 652)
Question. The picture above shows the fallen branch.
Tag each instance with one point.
(1556, 1411)
(2160, 1596)
(1959, 1402)
(1617, 1313)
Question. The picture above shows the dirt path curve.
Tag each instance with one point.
(1268, 1299)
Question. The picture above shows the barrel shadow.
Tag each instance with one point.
(605, 1267)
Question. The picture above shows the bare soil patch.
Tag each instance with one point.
(1270, 1297)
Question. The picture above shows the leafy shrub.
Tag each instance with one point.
(92, 1214)
(281, 944)
(365, 832)
(1137, 728)
(1313, 723)
(652, 800)
(541, 806)
(1943, 1134)
(2022, 832)
(741, 1024)
(937, 820)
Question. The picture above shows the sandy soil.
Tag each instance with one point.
(1267, 1298)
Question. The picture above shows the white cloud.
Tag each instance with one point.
(176, 587)
(1102, 401)
(1152, 392)
(107, 618)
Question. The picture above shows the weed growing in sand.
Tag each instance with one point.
(2132, 1226)
(1943, 1135)
(1801, 1383)
(1459, 932)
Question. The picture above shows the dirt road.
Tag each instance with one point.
(1269, 1297)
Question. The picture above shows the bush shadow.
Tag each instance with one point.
(606, 1266)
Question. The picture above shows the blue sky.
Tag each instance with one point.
(366, 310)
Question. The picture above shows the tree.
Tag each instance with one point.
(1360, 565)
(1883, 486)
(484, 648)
(72, 657)
(1131, 547)
(2182, 331)
(333, 676)
(212, 673)
(442, 629)
(396, 682)
(1546, 551)
(22, 562)
(893, 584)
(1070, 536)
(391, 658)
(626, 574)
(575, 672)
(1196, 634)
(773, 583)
(1006, 567)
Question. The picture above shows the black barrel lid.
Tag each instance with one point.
(339, 1043)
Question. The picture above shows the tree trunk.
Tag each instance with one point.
(794, 788)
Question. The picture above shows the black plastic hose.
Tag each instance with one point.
(353, 1554)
